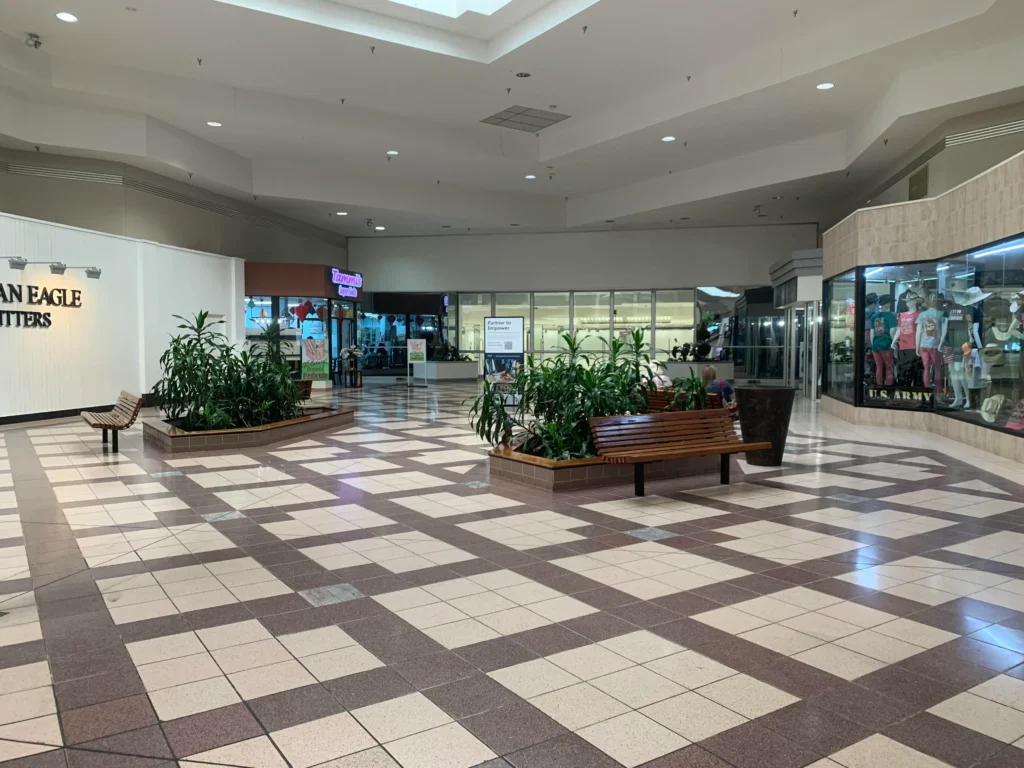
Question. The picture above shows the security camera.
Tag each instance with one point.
(34, 41)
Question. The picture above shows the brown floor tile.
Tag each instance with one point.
(83, 692)
(436, 669)
(568, 751)
(52, 759)
(288, 708)
(867, 708)
(816, 729)
(740, 654)
(950, 621)
(81, 759)
(513, 727)
(145, 742)
(690, 633)
(897, 606)
(106, 719)
(88, 664)
(643, 614)
(1004, 637)
(918, 691)
(980, 610)
(470, 696)
(686, 603)
(597, 627)
(366, 688)
(495, 654)
(759, 583)
(750, 746)
(209, 730)
(22, 653)
(796, 678)
(944, 740)
(723, 593)
(947, 669)
(138, 631)
(688, 757)
(982, 654)
(554, 638)
(604, 598)
(404, 647)
(1008, 758)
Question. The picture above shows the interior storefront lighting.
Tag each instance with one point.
(826, 86)
(392, 153)
(667, 139)
(214, 124)
(56, 267)
(718, 292)
(874, 271)
(70, 18)
(379, 228)
(941, 267)
(997, 251)
(530, 176)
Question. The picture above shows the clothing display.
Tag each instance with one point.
(1016, 420)
(883, 367)
(932, 367)
(882, 325)
(929, 325)
(907, 336)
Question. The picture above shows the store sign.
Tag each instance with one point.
(417, 350)
(504, 340)
(349, 283)
(315, 363)
(34, 296)
(901, 397)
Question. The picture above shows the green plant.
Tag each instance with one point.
(691, 394)
(449, 353)
(207, 385)
(545, 410)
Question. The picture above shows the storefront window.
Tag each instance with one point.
(515, 305)
(259, 313)
(632, 312)
(592, 319)
(383, 341)
(550, 321)
(840, 335)
(473, 308)
(673, 322)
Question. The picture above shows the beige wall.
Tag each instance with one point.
(989, 207)
(123, 209)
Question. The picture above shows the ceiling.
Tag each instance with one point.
(312, 94)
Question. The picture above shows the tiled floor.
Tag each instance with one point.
(370, 599)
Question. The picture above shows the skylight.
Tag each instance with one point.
(455, 8)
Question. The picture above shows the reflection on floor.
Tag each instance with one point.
(369, 599)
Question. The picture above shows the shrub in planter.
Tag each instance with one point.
(207, 384)
(544, 411)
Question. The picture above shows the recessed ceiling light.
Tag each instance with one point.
(342, 213)
(530, 176)
(214, 124)
(392, 153)
(131, 8)
(379, 228)
(609, 221)
(667, 139)
(826, 86)
(522, 74)
(776, 197)
(70, 18)
(446, 226)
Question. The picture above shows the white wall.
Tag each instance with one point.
(114, 340)
(577, 260)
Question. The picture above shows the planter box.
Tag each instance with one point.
(447, 371)
(578, 474)
(171, 439)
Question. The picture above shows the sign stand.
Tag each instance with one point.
(416, 353)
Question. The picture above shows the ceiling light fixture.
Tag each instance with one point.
(17, 263)
(70, 18)
(446, 226)
(131, 8)
(530, 177)
(58, 268)
(379, 228)
(522, 74)
(214, 124)
(392, 153)
(609, 221)
(93, 273)
(826, 86)
(667, 139)
(342, 213)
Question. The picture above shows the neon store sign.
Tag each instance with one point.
(348, 283)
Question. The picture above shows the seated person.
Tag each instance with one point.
(716, 385)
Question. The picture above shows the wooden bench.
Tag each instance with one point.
(643, 439)
(123, 415)
(659, 400)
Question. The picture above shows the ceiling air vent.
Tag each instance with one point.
(525, 119)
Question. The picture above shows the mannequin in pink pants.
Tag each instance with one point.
(932, 325)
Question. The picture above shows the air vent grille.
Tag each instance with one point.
(525, 119)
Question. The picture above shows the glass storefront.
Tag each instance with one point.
(298, 317)
(550, 321)
(943, 335)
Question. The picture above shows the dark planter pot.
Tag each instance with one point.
(764, 417)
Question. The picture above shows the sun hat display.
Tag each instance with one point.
(992, 354)
(974, 295)
(991, 407)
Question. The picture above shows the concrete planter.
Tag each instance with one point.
(578, 474)
(764, 417)
(453, 371)
(171, 439)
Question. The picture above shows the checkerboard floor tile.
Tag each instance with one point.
(369, 598)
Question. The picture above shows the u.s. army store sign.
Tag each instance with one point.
(34, 296)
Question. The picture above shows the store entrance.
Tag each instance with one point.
(383, 339)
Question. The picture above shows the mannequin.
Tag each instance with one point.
(884, 330)
(905, 341)
(1016, 418)
(965, 332)
(932, 326)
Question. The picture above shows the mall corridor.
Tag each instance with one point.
(367, 599)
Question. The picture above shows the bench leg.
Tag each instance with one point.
(115, 439)
(638, 479)
(104, 437)
(725, 469)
